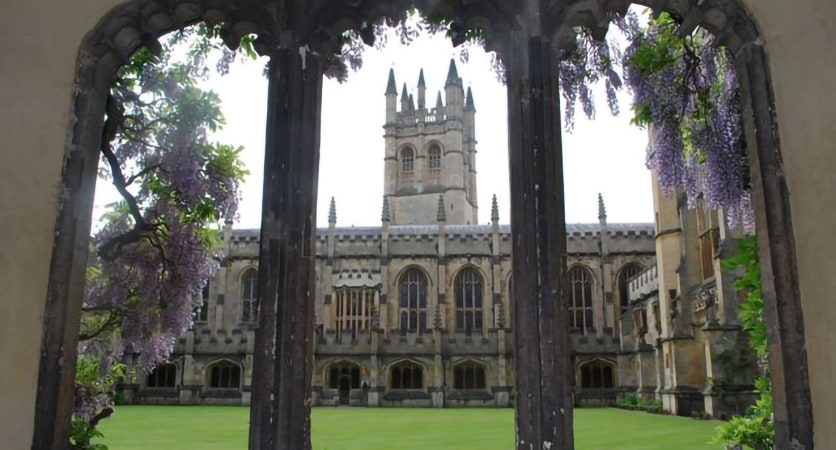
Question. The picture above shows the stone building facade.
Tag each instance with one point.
(681, 339)
(417, 311)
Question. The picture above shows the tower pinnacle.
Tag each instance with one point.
(390, 85)
(384, 214)
(438, 103)
(452, 74)
(332, 211)
(494, 210)
(602, 211)
(469, 105)
(421, 82)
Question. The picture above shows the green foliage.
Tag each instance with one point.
(756, 428)
(94, 387)
(82, 434)
(749, 283)
(629, 399)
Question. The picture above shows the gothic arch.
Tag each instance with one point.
(395, 378)
(235, 374)
(102, 52)
(470, 373)
(468, 266)
(625, 272)
(601, 372)
(327, 372)
(127, 26)
(580, 266)
(417, 267)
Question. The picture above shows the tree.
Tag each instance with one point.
(156, 248)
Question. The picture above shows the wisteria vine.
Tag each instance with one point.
(685, 90)
(156, 248)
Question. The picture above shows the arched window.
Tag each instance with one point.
(628, 271)
(203, 313)
(249, 296)
(413, 301)
(341, 371)
(434, 158)
(407, 375)
(580, 286)
(468, 289)
(224, 375)
(469, 375)
(597, 375)
(162, 376)
(407, 160)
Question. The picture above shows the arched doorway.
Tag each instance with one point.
(781, 278)
(344, 377)
(345, 390)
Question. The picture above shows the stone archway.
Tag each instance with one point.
(527, 34)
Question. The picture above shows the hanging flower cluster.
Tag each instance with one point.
(156, 248)
(686, 92)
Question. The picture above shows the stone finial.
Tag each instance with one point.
(421, 82)
(469, 105)
(332, 211)
(411, 103)
(442, 214)
(384, 215)
(390, 85)
(602, 211)
(452, 74)
(438, 103)
(494, 210)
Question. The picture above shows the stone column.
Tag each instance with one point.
(283, 356)
(541, 344)
(791, 392)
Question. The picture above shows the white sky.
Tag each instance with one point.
(605, 155)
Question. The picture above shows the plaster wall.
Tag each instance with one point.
(40, 41)
(798, 37)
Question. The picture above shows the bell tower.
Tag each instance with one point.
(430, 152)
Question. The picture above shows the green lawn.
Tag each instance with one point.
(207, 427)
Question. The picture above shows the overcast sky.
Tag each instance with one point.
(605, 155)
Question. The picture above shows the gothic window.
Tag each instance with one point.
(163, 376)
(354, 311)
(413, 301)
(224, 375)
(708, 238)
(434, 156)
(469, 291)
(469, 375)
(203, 312)
(628, 271)
(580, 285)
(344, 370)
(407, 160)
(407, 375)
(249, 296)
(597, 375)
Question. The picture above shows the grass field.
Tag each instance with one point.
(207, 427)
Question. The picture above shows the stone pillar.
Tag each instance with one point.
(791, 390)
(283, 356)
(542, 358)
